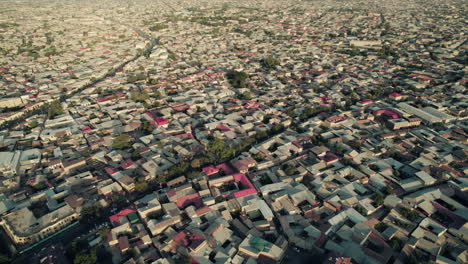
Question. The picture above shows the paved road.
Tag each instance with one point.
(64, 238)
(68, 236)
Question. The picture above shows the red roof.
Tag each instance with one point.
(86, 129)
(161, 121)
(181, 108)
(184, 135)
(215, 169)
(188, 240)
(247, 186)
(210, 170)
(203, 210)
(115, 218)
(395, 95)
(223, 128)
(328, 157)
(111, 171)
(234, 107)
(150, 115)
(106, 99)
(336, 119)
(127, 164)
(252, 104)
(388, 113)
(123, 243)
(368, 101)
(195, 241)
(244, 164)
(191, 199)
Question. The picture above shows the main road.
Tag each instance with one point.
(68, 235)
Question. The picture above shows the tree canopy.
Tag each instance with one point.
(141, 185)
(158, 27)
(136, 78)
(91, 214)
(237, 78)
(218, 150)
(4, 259)
(269, 62)
(139, 96)
(55, 109)
(86, 257)
(122, 142)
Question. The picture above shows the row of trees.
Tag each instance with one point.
(217, 151)
(91, 214)
(158, 27)
(81, 253)
(139, 96)
(136, 78)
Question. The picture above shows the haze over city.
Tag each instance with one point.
(208, 132)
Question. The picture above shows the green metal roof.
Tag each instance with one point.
(260, 244)
(133, 217)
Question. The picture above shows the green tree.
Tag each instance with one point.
(380, 226)
(196, 163)
(156, 95)
(139, 96)
(4, 259)
(55, 108)
(261, 135)
(396, 244)
(270, 63)
(158, 27)
(141, 185)
(103, 256)
(360, 210)
(86, 153)
(387, 190)
(339, 149)
(218, 150)
(378, 199)
(40, 186)
(246, 96)
(122, 142)
(409, 214)
(90, 214)
(290, 169)
(86, 257)
(277, 128)
(147, 127)
(77, 246)
(136, 78)
(387, 51)
(33, 124)
(259, 156)
(355, 144)
(237, 78)
(161, 178)
(136, 155)
(193, 174)
(104, 232)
